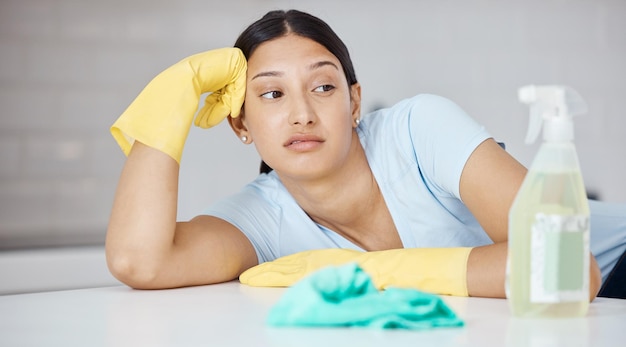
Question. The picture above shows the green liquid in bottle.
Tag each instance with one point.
(548, 265)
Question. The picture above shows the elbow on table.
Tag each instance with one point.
(595, 279)
(132, 272)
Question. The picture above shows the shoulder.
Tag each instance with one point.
(265, 192)
(424, 117)
(432, 112)
(258, 211)
(418, 110)
(427, 130)
(422, 103)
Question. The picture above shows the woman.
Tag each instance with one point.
(399, 178)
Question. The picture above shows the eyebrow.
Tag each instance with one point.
(322, 63)
(313, 66)
(267, 74)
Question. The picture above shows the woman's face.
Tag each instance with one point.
(298, 107)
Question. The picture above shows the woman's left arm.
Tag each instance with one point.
(489, 182)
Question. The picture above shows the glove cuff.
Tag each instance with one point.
(171, 141)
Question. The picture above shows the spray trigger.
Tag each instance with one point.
(556, 104)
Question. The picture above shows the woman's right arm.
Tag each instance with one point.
(147, 249)
(145, 246)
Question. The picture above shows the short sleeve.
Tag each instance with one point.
(443, 137)
(252, 212)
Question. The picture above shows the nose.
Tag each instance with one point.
(301, 111)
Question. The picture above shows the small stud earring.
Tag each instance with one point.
(357, 121)
(244, 139)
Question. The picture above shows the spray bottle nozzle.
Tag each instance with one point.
(555, 105)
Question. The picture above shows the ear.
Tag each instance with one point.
(355, 102)
(239, 127)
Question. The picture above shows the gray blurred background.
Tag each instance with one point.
(68, 68)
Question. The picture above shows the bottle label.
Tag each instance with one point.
(559, 261)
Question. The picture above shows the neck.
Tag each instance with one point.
(339, 199)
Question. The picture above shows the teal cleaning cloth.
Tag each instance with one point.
(345, 296)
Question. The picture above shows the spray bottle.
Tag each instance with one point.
(547, 271)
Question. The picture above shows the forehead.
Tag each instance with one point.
(288, 49)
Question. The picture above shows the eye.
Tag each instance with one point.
(324, 88)
(274, 94)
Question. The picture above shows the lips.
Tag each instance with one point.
(303, 141)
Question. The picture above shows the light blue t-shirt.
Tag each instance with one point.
(416, 150)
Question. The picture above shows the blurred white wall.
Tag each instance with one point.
(68, 68)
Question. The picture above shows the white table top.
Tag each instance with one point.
(232, 314)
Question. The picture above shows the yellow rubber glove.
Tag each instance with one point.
(434, 270)
(161, 115)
